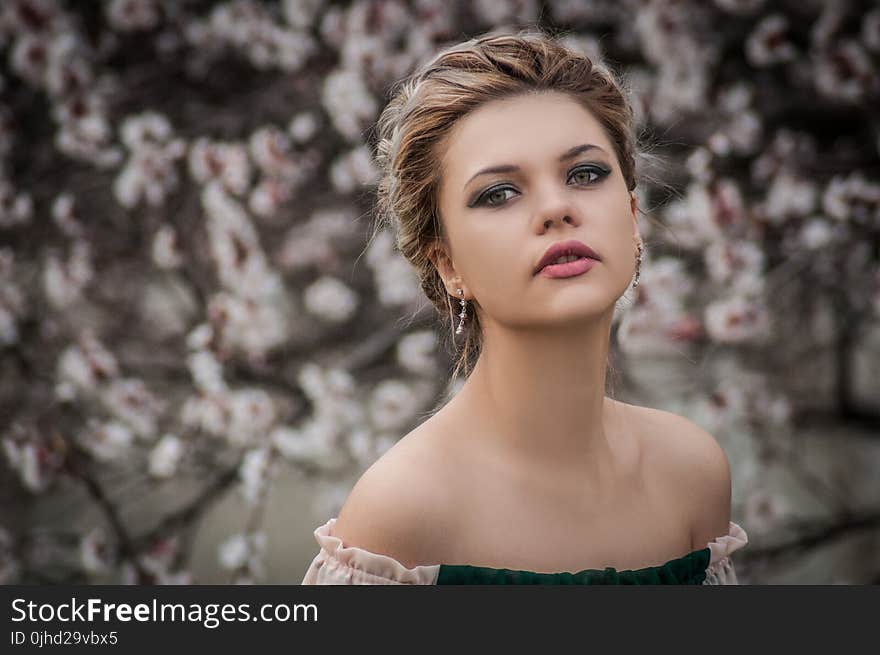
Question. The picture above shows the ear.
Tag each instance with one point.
(439, 256)
(634, 207)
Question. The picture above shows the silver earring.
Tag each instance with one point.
(463, 302)
(638, 266)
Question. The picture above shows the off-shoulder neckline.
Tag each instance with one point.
(693, 562)
(687, 558)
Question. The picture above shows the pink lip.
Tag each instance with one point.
(564, 248)
(568, 269)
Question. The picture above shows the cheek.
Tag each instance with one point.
(480, 249)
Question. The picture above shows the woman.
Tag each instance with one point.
(509, 174)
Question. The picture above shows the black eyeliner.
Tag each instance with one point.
(474, 202)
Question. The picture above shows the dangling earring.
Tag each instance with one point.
(463, 302)
(638, 266)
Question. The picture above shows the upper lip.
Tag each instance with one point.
(561, 248)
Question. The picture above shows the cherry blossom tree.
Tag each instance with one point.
(186, 295)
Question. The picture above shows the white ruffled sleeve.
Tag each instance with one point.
(721, 570)
(338, 564)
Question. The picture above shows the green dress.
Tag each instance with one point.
(337, 563)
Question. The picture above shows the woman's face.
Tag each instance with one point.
(499, 224)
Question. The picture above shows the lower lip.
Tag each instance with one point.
(568, 269)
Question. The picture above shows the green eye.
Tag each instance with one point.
(595, 170)
(482, 200)
(492, 193)
(588, 170)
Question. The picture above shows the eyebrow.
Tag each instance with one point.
(509, 168)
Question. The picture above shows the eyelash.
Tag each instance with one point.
(600, 172)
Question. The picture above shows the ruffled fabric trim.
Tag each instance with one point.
(721, 570)
(337, 563)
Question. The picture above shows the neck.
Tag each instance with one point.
(540, 397)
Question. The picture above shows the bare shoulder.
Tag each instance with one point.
(697, 465)
(401, 506)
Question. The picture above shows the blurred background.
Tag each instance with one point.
(199, 354)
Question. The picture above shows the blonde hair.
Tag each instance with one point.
(422, 111)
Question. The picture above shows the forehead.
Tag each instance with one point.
(519, 130)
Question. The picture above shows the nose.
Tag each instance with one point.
(549, 221)
(553, 206)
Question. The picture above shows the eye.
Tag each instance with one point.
(497, 192)
(589, 170)
(493, 193)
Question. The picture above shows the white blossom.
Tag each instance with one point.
(844, 72)
(107, 441)
(86, 364)
(158, 558)
(95, 551)
(726, 260)
(766, 45)
(271, 150)
(64, 282)
(206, 411)
(269, 195)
(311, 243)
(148, 128)
(871, 30)
(667, 282)
(235, 247)
(646, 329)
(64, 216)
(253, 473)
(223, 161)
(353, 170)
(699, 164)
(251, 326)
(330, 299)
(816, 233)
(395, 281)
(416, 352)
(852, 198)
(206, 371)
(367, 446)
(323, 384)
(241, 550)
(737, 319)
(129, 400)
(200, 337)
(166, 250)
(234, 551)
(789, 196)
(393, 404)
(691, 219)
(8, 327)
(313, 441)
(30, 58)
(251, 414)
(150, 173)
(300, 13)
(15, 208)
(303, 126)
(131, 15)
(26, 458)
(165, 456)
(348, 102)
